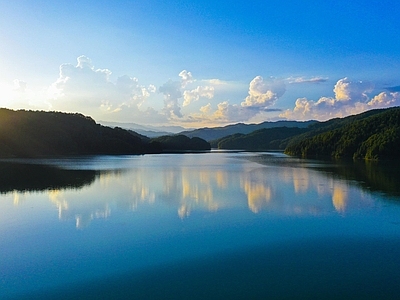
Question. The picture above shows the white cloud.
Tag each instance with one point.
(351, 97)
(88, 90)
(225, 113)
(230, 113)
(129, 88)
(355, 91)
(264, 93)
(206, 109)
(197, 93)
(261, 95)
(82, 86)
(172, 93)
(385, 99)
(217, 82)
(186, 78)
(20, 86)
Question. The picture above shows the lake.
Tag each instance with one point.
(218, 225)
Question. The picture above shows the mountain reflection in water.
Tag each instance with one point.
(375, 176)
(277, 184)
(38, 177)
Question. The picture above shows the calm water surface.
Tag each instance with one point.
(198, 226)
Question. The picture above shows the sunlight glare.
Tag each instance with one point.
(6, 95)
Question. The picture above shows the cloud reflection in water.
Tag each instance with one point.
(201, 187)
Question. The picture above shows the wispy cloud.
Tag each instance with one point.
(292, 80)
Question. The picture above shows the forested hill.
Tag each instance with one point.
(371, 135)
(38, 133)
(179, 142)
(211, 134)
(262, 139)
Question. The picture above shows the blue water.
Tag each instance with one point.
(197, 226)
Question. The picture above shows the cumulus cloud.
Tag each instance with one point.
(186, 78)
(90, 91)
(225, 113)
(172, 93)
(129, 88)
(264, 92)
(385, 99)
(197, 93)
(228, 113)
(206, 109)
(351, 97)
(353, 91)
(82, 85)
(83, 88)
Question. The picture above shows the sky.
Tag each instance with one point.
(200, 63)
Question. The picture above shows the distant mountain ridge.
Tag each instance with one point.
(147, 130)
(210, 134)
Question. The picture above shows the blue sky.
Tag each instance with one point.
(200, 63)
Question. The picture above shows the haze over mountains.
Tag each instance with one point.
(147, 130)
(206, 133)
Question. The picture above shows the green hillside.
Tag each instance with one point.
(371, 135)
(263, 139)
